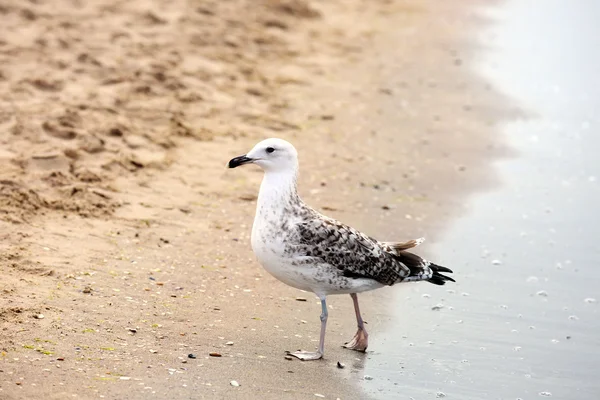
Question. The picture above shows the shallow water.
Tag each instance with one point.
(522, 320)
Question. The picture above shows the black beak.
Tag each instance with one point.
(241, 160)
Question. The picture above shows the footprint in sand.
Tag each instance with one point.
(65, 126)
(56, 130)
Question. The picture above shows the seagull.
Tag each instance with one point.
(312, 252)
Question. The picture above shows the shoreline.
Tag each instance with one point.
(173, 262)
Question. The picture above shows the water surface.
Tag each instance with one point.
(522, 321)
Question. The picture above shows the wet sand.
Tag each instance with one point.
(522, 320)
(124, 231)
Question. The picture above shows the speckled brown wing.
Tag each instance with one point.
(350, 251)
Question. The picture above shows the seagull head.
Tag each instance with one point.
(272, 155)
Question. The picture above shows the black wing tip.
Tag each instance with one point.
(439, 268)
(437, 278)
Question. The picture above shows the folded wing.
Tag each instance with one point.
(355, 254)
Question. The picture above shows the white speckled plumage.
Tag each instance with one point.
(312, 252)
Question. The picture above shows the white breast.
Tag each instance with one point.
(269, 247)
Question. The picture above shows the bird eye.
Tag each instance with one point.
(270, 149)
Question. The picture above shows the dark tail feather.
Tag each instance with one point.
(437, 278)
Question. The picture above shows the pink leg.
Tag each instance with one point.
(360, 341)
(308, 355)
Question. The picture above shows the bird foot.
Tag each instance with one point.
(359, 342)
(306, 355)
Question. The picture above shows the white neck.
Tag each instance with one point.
(277, 190)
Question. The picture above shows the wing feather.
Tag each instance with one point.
(350, 251)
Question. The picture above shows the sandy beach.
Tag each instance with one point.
(125, 240)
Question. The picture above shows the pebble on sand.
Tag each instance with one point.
(234, 383)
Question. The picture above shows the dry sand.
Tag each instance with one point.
(126, 241)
